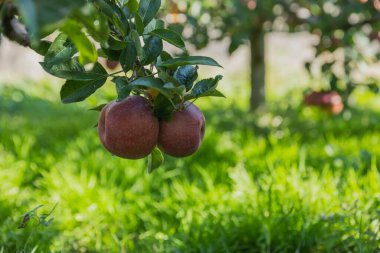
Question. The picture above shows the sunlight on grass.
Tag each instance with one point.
(291, 180)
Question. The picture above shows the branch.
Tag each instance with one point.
(13, 28)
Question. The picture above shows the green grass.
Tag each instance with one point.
(292, 180)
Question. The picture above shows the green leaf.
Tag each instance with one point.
(61, 50)
(186, 75)
(78, 90)
(163, 108)
(155, 160)
(95, 23)
(123, 88)
(148, 9)
(41, 47)
(190, 60)
(87, 50)
(132, 5)
(152, 49)
(42, 16)
(128, 57)
(75, 91)
(136, 40)
(151, 83)
(205, 88)
(139, 24)
(170, 37)
(153, 25)
(98, 108)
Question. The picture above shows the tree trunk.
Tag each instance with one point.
(257, 69)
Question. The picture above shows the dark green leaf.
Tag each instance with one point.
(152, 49)
(170, 37)
(155, 160)
(74, 71)
(205, 88)
(123, 88)
(139, 24)
(61, 50)
(41, 47)
(151, 83)
(148, 9)
(163, 107)
(128, 57)
(136, 40)
(189, 60)
(75, 91)
(186, 75)
(153, 25)
(78, 90)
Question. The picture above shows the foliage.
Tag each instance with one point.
(286, 181)
(127, 31)
(348, 31)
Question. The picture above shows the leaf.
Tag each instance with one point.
(98, 108)
(189, 60)
(87, 50)
(153, 25)
(42, 16)
(123, 88)
(128, 57)
(152, 49)
(148, 9)
(139, 24)
(205, 88)
(163, 108)
(78, 90)
(155, 160)
(61, 50)
(170, 37)
(132, 5)
(72, 70)
(152, 83)
(136, 40)
(186, 75)
(41, 47)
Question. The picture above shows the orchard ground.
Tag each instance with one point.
(293, 179)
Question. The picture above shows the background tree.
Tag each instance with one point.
(339, 24)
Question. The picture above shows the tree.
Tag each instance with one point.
(247, 21)
(125, 31)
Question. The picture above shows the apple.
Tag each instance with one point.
(128, 128)
(183, 134)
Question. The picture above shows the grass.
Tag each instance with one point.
(292, 180)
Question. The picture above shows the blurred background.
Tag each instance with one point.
(290, 160)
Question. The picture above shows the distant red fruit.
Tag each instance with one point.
(329, 101)
(112, 64)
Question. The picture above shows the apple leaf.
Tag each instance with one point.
(78, 90)
(152, 49)
(186, 75)
(139, 24)
(190, 60)
(155, 160)
(170, 37)
(122, 88)
(148, 9)
(132, 5)
(128, 57)
(60, 51)
(87, 50)
(205, 88)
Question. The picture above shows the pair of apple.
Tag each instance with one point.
(129, 129)
(330, 101)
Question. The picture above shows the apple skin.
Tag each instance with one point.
(129, 129)
(183, 134)
(112, 64)
(329, 101)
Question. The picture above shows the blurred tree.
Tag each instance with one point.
(338, 23)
